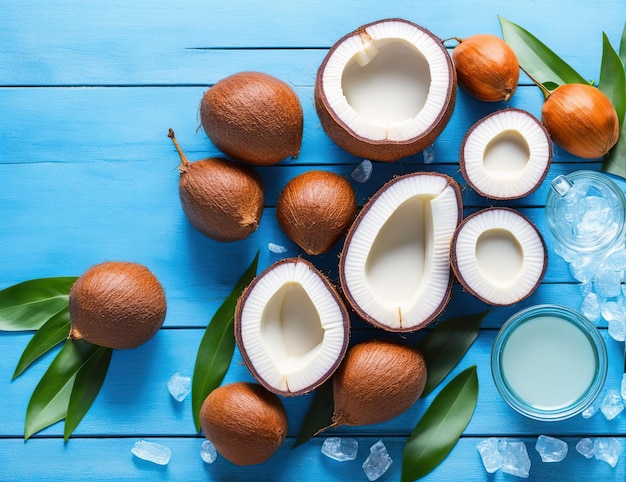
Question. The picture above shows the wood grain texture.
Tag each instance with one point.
(87, 174)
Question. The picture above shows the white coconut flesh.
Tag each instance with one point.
(506, 154)
(388, 82)
(293, 329)
(499, 256)
(395, 266)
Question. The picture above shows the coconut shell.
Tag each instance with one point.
(253, 117)
(377, 381)
(244, 421)
(380, 150)
(116, 305)
(315, 209)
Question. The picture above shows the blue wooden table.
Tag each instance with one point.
(88, 91)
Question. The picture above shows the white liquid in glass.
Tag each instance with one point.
(548, 361)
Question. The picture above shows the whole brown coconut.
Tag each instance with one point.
(315, 209)
(116, 305)
(486, 67)
(581, 119)
(377, 381)
(253, 117)
(221, 199)
(244, 421)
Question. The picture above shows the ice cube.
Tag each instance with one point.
(607, 449)
(595, 216)
(616, 260)
(490, 455)
(276, 248)
(429, 155)
(363, 171)
(591, 307)
(583, 267)
(515, 459)
(606, 283)
(623, 387)
(551, 449)
(340, 449)
(377, 462)
(152, 452)
(179, 386)
(617, 329)
(207, 452)
(565, 253)
(585, 447)
(612, 404)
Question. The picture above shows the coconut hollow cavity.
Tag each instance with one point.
(506, 155)
(386, 90)
(395, 264)
(499, 256)
(291, 327)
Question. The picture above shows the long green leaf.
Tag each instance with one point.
(612, 81)
(50, 399)
(28, 305)
(51, 333)
(614, 160)
(320, 414)
(622, 46)
(446, 344)
(87, 384)
(217, 346)
(536, 59)
(439, 429)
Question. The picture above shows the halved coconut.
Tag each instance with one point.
(395, 264)
(506, 155)
(499, 256)
(386, 90)
(291, 327)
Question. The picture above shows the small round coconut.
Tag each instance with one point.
(244, 421)
(253, 117)
(377, 381)
(116, 305)
(315, 209)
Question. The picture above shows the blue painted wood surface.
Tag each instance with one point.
(87, 174)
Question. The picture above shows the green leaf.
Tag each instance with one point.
(613, 162)
(446, 344)
(87, 384)
(622, 46)
(49, 402)
(439, 429)
(217, 346)
(320, 414)
(541, 64)
(52, 332)
(613, 78)
(28, 305)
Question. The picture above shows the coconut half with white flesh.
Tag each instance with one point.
(499, 256)
(395, 264)
(386, 90)
(506, 155)
(291, 327)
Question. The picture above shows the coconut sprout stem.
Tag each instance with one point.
(183, 159)
(544, 89)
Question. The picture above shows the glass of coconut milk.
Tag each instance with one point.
(549, 362)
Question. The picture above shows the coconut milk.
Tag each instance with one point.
(548, 362)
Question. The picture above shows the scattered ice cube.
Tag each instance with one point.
(623, 387)
(207, 452)
(564, 252)
(515, 460)
(583, 267)
(490, 455)
(607, 449)
(616, 260)
(551, 449)
(585, 448)
(612, 404)
(429, 155)
(179, 386)
(276, 248)
(377, 462)
(152, 452)
(606, 283)
(591, 307)
(340, 449)
(617, 329)
(363, 171)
